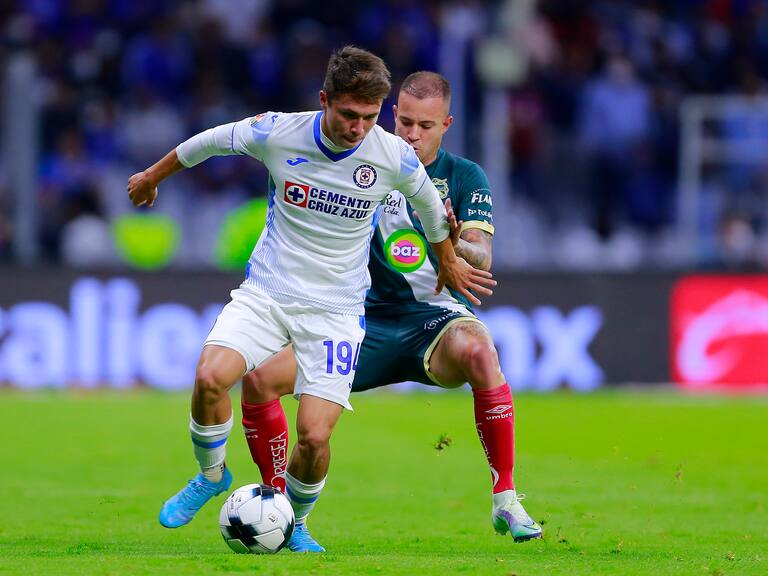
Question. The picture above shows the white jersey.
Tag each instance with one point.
(323, 205)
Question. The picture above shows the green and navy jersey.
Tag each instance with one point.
(402, 265)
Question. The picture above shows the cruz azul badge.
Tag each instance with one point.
(364, 176)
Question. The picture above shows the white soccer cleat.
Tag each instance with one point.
(509, 516)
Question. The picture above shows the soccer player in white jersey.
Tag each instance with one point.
(413, 333)
(307, 276)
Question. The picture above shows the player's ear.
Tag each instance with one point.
(323, 99)
(447, 123)
(394, 111)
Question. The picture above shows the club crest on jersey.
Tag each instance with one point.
(405, 250)
(364, 176)
(258, 118)
(296, 194)
(442, 187)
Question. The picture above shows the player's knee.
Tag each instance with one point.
(476, 354)
(254, 380)
(208, 386)
(256, 389)
(313, 441)
(480, 361)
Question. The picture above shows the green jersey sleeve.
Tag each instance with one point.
(474, 205)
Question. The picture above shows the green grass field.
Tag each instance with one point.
(635, 483)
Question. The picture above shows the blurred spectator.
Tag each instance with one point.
(6, 232)
(148, 127)
(614, 124)
(86, 240)
(594, 138)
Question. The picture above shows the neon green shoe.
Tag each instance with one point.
(509, 516)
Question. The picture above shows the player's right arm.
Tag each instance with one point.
(142, 186)
(247, 136)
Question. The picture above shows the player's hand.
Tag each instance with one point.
(141, 189)
(463, 277)
(453, 223)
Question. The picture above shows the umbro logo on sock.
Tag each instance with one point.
(500, 409)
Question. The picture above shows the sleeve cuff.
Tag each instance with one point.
(180, 155)
(479, 224)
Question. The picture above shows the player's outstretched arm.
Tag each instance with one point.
(142, 186)
(459, 274)
(218, 141)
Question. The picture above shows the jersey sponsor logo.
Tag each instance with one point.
(327, 202)
(364, 176)
(338, 204)
(482, 213)
(296, 161)
(442, 187)
(392, 204)
(480, 197)
(405, 250)
(296, 194)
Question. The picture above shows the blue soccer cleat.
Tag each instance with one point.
(181, 508)
(302, 541)
(510, 516)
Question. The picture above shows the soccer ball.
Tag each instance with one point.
(256, 519)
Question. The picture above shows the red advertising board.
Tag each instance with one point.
(719, 332)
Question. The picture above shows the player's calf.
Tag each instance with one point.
(266, 432)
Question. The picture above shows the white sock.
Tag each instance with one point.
(503, 497)
(302, 496)
(210, 446)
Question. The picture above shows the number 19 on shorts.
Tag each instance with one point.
(340, 357)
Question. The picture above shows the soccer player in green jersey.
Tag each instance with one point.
(412, 331)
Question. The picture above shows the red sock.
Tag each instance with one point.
(495, 422)
(266, 431)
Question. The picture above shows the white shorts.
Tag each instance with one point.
(326, 345)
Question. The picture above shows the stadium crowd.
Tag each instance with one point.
(595, 120)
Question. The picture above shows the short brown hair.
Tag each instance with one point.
(425, 84)
(357, 72)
